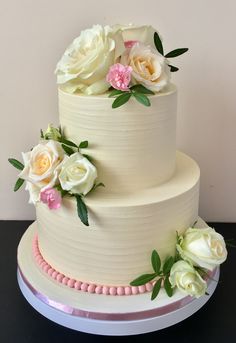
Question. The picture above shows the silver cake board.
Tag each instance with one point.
(100, 314)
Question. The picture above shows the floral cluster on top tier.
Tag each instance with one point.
(56, 168)
(128, 60)
(198, 252)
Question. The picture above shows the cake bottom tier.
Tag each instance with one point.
(123, 231)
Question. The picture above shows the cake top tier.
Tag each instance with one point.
(128, 60)
(133, 147)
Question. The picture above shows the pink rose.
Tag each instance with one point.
(51, 197)
(119, 76)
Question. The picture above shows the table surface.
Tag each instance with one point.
(20, 323)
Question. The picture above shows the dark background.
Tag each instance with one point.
(20, 323)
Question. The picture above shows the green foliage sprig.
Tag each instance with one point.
(20, 166)
(171, 54)
(161, 273)
(139, 92)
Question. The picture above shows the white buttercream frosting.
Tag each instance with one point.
(133, 146)
(123, 231)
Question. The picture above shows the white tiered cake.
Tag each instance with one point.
(79, 263)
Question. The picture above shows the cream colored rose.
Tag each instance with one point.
(86, 61)
(149, 67)
(42, 165)
(131, 33)
(203, 247)
(187, 279)
(77, 174)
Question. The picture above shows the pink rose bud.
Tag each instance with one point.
(51, 197)
(119, 76)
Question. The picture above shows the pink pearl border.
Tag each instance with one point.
(86, 286)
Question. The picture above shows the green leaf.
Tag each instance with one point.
(158, 43)
(95, 186)
(66, 142)
(18, 184)
(156, 289)
(167, 286)
(88, 158)
(100, 184)
(143, 279)
(168, 265)
(63, 193)
(67, 149)
(176, 52)
(41, 134)
(82, 210)
(115, 92)
(143, 99)
(83, 145)
(17, 164)
(61, 190)
(121, 99)
(173, 68)
(156, 261)
(141, 89)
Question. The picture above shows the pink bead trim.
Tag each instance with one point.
(84, 286)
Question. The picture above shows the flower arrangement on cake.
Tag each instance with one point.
(127, 61)
(56, 168)
(198, 253)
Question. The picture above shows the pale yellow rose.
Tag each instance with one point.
(42, 165)
(87, 60)
(149, 67)
(187, 279)
(203, 247)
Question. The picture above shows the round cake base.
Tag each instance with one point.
(100, 314)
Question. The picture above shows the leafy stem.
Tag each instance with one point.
(171, 54)
(139, 92)
(161, 273)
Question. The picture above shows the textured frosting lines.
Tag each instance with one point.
(123, 231)
(134, 147)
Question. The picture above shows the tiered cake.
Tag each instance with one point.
(117, 118)
(151, 192)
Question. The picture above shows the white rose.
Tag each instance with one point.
(150, 68)
(86, 61)
(77, 174)
(203, 247)
(187, 279)
(132, 33)
(42, 165)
